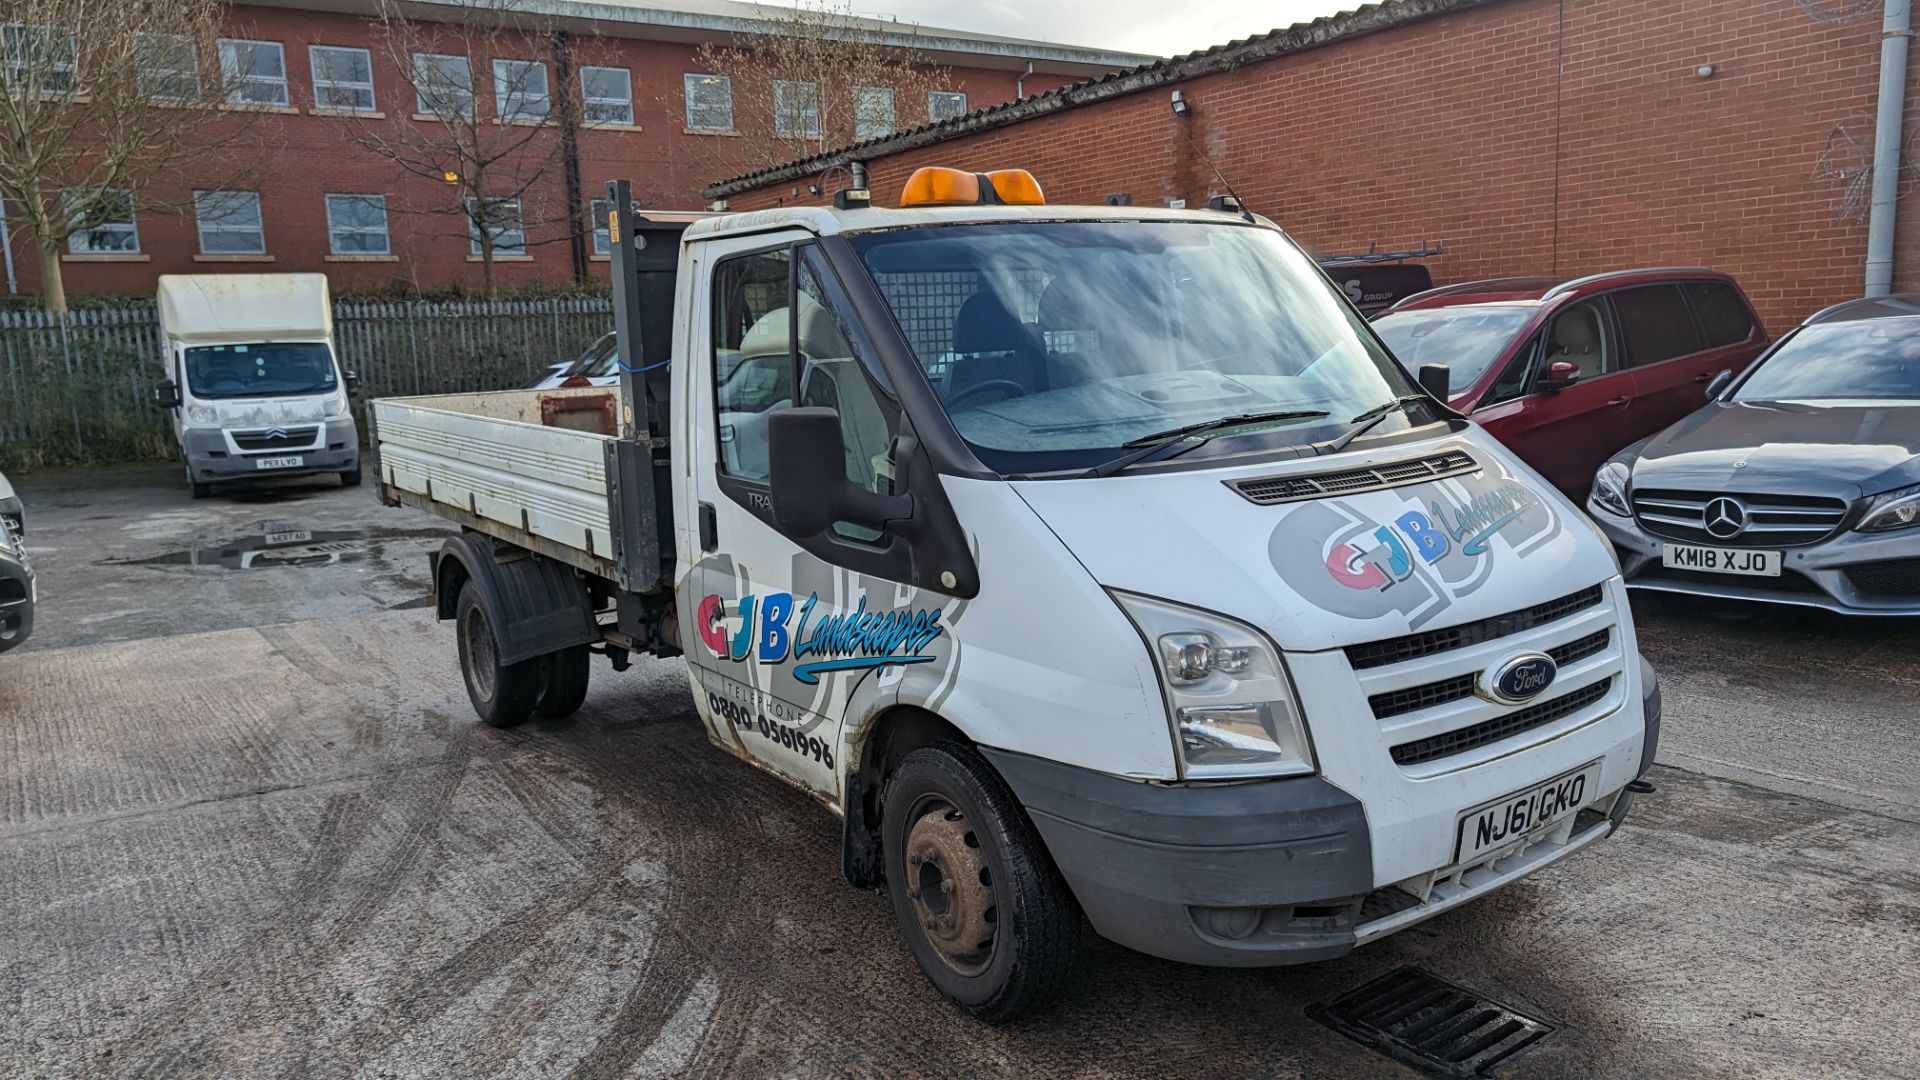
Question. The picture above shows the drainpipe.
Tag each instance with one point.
(6, 245)
(1020, 82)
(1894, 31)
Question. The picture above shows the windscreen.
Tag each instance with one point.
(1867, 359)
(1053, 345)
(1465, 338)
(282, 369)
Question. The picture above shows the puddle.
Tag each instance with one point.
(285, 548)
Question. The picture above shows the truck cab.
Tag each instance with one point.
(252, 381)
(1092, 563)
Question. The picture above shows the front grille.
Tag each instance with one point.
(1772, 520)
(1428, 642)
(1467, 738)
(1895, 579)
(278, 439)
(1269, 490)
(1415, 698)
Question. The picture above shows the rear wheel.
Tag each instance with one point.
(503, 694)
(564, 676)
(983, 909)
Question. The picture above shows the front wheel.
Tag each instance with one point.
(350, 478)
(503, 694)
(983, 909)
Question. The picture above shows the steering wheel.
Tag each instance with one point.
(222, 384)
(985, 385)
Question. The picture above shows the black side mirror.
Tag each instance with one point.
(1434, 379)
(167, 395)
(1718, 383)
(809, 477)
(353, 384)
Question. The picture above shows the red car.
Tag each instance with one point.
(1566, 373)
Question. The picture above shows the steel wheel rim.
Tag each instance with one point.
(950, 885)
(480, 664)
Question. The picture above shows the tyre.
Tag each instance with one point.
(503, 694)
(350, 478)
(200, 490)
(983, 909)
(563, 682)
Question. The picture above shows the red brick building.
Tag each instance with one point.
(1526, 136)
(307, 58)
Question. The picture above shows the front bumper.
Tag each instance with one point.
(16, 599)
(1853, 573)
(213, 459)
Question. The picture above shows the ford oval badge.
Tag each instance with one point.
(1522, 678)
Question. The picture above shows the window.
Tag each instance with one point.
(831, 376)
(1723, 316)
(1580, 336)
(255, 72)
(709, 102)
(169, 67)
(752, 361)
(342, 78)
(520, 90)
(1655, 323)
(501, 218)
(872, 112)
(357, 225)
(442, 85)
(945, 105)
(1466, 338)
(602, 236)
(608, 95)
(796, 109)
(105, 226)
(1513, 381)
(229, 222)
(39, 54)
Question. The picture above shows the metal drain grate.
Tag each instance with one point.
(1430, 1024)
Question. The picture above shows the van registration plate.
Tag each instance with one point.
(1714, 560)
(1499, 823)
(278, 462)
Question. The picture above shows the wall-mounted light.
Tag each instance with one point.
(1705, 71)
(1180, 106)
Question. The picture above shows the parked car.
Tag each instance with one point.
(16, 574)
(599, 365)
(1567, 372)
(1798, 484)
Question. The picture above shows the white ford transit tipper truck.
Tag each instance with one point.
(1090, 562)
(253, 383)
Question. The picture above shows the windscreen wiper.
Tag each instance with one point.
(1366, 421)
(1147, 447)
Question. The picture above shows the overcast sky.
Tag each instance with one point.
(1160, 27)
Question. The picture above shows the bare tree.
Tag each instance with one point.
(490, 151)
(814, 78)
(100, 100)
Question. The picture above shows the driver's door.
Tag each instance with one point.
(773, 659)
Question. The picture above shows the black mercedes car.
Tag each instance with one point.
(16, 574)
(1798, 483)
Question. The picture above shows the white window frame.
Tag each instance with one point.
(589, 101)
(862, 129)
(335, 230)
(500, 248)
(958, 98)
(153, 79)
(12, 32)
(805, 111)
(203, 226)
(506, 90)
(691, 79)
(77, 240)
(602, 230)
(234, 79)
(422, 85)
(321, 99)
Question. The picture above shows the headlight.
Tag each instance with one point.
(1233, 708)
(203, 416)
(1610, 488)
(1894, 510)
(336, 405)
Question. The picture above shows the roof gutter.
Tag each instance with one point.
(1304, 37)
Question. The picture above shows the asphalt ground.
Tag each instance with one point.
(249, 827)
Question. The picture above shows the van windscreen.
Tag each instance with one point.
(280, 369)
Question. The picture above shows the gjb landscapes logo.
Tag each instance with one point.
(848, 641)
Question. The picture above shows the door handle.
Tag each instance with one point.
(1703, 377)
(709, 528)
(1620, 402)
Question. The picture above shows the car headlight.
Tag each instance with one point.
(1898, 509)
(1233, 708)
(203, 416)
(336, 405)
(1610, 488)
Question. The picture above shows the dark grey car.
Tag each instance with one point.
(1798, 483)
(16, 574)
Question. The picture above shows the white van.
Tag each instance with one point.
(1091, 563)
(252, 379)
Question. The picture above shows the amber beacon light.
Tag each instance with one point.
(935, 186)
